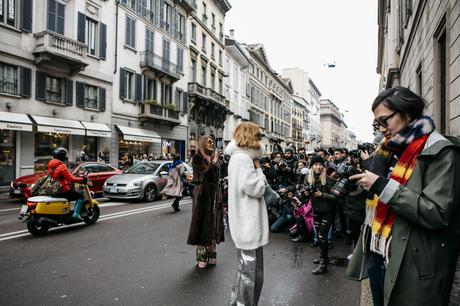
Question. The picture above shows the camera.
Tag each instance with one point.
(355, 153)
(367, 146)
(343, 187)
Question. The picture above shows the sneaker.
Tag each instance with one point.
(349, 256)
(297, 239)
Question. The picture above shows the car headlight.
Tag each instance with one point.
(105, 183)
(134, 184)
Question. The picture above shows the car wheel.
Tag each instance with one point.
(150, 193)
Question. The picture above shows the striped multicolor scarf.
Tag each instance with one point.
(379, 216)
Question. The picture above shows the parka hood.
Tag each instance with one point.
(54, 163)
(232, 148)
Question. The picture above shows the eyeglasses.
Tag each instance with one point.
(382, 122)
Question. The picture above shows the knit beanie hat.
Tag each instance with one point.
(316, 159)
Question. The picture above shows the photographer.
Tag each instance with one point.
(303, 214)
(323, 203)
(290, 159)
(286, 210)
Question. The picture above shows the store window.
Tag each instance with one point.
(45, 143)
(7, 156)
(133, 150)
(172, 147)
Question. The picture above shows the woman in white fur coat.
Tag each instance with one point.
(247, 212)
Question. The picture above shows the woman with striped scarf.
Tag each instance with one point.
(410, 239)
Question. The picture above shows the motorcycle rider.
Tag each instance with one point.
(59, 171)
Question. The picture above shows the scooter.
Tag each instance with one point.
(43, 212)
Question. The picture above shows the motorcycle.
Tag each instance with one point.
(43, 212)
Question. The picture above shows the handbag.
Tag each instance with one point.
(270, 196)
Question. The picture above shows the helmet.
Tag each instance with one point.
(60, 154)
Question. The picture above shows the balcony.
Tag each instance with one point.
(188, 5)
(207, 94)
(159, 65)
(59, 50)
(159, 113)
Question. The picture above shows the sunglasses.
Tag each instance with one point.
(383, 121)
(210, 142)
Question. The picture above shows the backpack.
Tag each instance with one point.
(46, 186)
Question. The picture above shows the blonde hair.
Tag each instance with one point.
(245, 135)
(202, 147)
(311, 177)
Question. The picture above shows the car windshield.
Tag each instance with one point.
(142, 168)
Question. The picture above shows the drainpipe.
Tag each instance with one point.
(116, 36)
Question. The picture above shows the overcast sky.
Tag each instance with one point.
(310, 33)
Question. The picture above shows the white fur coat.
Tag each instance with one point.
(247, 212)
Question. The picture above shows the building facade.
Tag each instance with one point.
(270, 100)
(236, 66)
(208, 107)
(305, 88)
(332, 127)
(419, 48)
(55, 81)
(150, 105)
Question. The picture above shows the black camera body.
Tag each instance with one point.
(343, 187)
(367, 146)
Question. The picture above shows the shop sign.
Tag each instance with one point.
(15, 126)
(167, 144)
(60, 130)
(98, 133)
(140, 138)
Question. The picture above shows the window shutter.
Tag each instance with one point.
(69, 92)
(80, 94)
(133, 33)
(26, 82)
(145, 87)
(185, 102)
(162, 13)
(128, 31)
(122, 84)
(103, 42)
(81, 27)
(138, 87)
(52, 15)
(40, 86)
(60, 18)
(101, 99)
(26, 18)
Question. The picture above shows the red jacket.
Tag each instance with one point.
(60, 172)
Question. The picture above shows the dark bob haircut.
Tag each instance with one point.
(402, 100)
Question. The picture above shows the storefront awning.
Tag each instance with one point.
(15, 121)
(56, 125)
(136, 134)
(97, 129)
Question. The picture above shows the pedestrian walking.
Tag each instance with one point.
(247, 212)
(175, 184)
(411, 233)
(207, 225)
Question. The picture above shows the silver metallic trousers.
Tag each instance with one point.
(249, 278)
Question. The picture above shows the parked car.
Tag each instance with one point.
(97, 173)
(144, 180)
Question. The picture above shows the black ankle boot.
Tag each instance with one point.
(321, 269)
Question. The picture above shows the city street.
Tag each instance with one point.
(136, 254)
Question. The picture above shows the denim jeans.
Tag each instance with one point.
(280, 224)
(376, 272)
(329, 234)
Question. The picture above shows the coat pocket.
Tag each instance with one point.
(422, 256)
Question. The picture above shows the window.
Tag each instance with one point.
(213, 46)
(8, 79)
(419, 81)
(181, 28)
(166, 46)
(221, 31)
(90, 96)
(203, 75)
(8, 12)
(91, 35)
(150, 89)
(205, 16)
(193, 32)
(180, 60)
(168, 17)
(213, 20)
(220, 57)
(55, 16)
(130, 37)
(213, 80)
(166, 94)
(129, 85)
(193, 67)
(180, 100)
(203, 42)
(221, 86)
(54, 89)
(149, 38)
